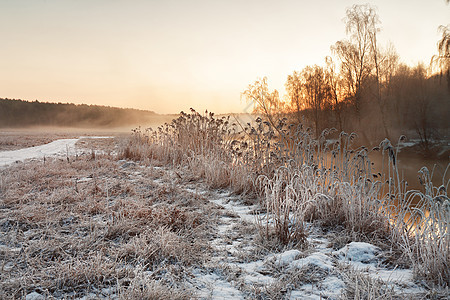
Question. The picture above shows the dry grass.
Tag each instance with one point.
(426, 227)
(362, 286)
(97, 227)
(301, 179)
(202, 143)
(144, 288)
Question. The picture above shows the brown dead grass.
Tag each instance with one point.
(299, 179)
(73, 229)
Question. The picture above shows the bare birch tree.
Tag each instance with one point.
(265, 102)
(355, 54)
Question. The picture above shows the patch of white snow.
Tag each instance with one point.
(358, 252)
(214, 287)
(58, 147)
(317, 259)
(286, 257)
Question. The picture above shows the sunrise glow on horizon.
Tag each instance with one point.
(168, 56)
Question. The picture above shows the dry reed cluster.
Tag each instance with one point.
(300, 179)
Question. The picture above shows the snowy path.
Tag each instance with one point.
(62, 147)
(319, 272)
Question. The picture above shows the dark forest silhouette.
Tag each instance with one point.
(21, 113)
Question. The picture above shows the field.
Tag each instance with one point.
(202, 208)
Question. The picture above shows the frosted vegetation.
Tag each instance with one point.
(205, 208)
(299, 180)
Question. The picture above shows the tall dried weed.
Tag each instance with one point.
(300, 178)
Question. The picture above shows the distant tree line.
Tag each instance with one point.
(21, 113)
(364, 88)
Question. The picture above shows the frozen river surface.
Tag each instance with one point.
(62, 147)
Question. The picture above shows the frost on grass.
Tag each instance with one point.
(89, 227)
(93, 226)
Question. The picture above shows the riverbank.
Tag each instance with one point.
(99, 227)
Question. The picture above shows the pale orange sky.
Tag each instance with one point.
(167, 56)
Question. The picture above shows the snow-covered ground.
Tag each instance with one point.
(319, 272)
(329, 266)
(62, 147)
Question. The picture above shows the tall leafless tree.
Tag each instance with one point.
(335, 84)
(355, 54)
(293, 87)
(316, 92)
(265, 102)
(442, 60)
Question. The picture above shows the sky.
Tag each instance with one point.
(168, 56)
